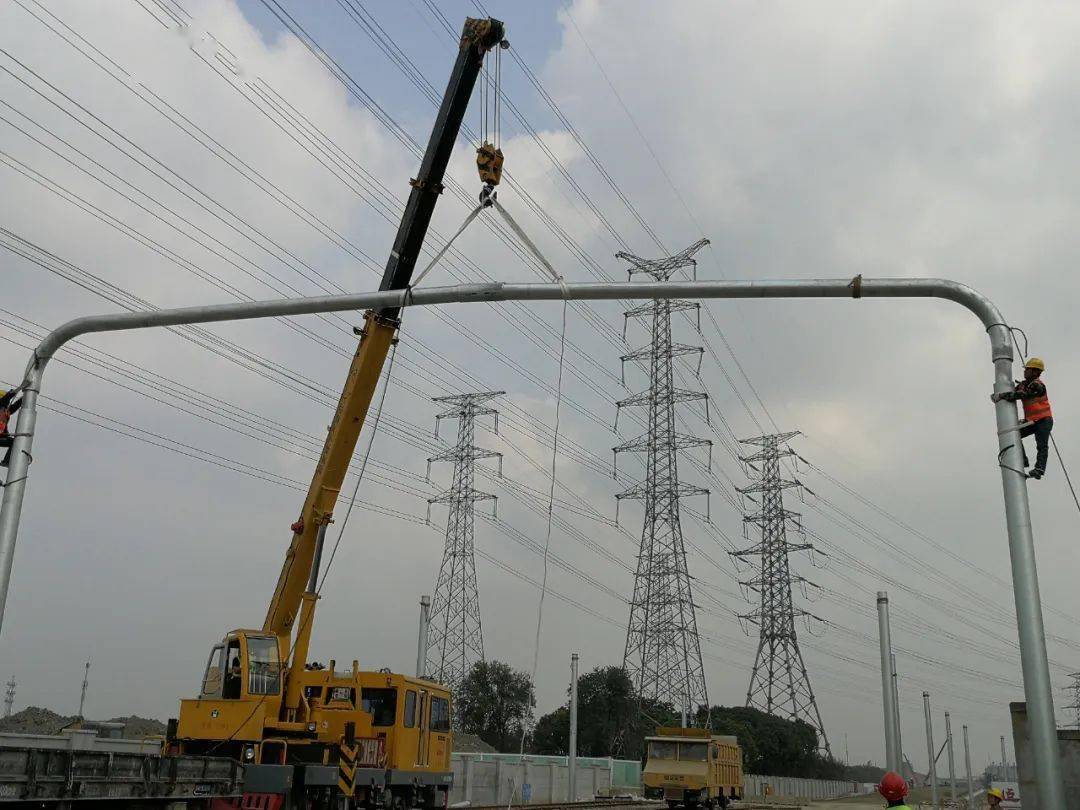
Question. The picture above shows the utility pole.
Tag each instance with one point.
(896, 710)
(456, 637)
(779, 683)
(571, 759)
(422, 636)
(930, 749)
(1004, 762)
(9, 697)
(952, 762)
(888, 683)
(85, 683)
(967, 765)
(663, 649)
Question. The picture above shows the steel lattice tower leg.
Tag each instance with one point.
(1074, 687)
(663, 649)
(456, 640)
(9, 697)
(779, 683)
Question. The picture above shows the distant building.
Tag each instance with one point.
(997, 773)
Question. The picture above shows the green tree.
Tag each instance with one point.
(611, 720)
(772, 745)
(493, 703)
(552, 733)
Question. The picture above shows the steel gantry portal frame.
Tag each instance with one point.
(1029, 619)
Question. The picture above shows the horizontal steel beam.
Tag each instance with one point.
(471, 293)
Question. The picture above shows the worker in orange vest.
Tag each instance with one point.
(8, 406)
(1031, 391)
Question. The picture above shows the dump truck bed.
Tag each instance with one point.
(55, 775)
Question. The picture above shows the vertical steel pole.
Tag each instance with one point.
(967, 765)
(15, 486)
(896, 712)
(930, 749)
(422, 637)
(892, 757)
(952, 761)
(1004, 762)
(571, 788)
(1038, 692)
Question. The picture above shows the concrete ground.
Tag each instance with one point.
(919, 797)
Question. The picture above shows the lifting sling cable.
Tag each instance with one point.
(442, 252)
(489, 163)
(488, 199)
(525, 240)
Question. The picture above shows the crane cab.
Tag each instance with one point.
(240, 696)
(244, 698)
(385, 737)
(243, 665)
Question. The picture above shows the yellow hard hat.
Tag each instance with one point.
(1035, 362)
(996, 792)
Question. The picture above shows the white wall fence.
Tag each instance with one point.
(532, 781)
(495, 778)
(791, 787)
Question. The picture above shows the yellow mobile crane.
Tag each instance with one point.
(311, 737)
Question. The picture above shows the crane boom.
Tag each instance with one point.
(297, 574)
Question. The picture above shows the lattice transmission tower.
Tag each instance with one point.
(1074, 688)
(9, 697)
(779, 683)
(455, 640)
(663, 649)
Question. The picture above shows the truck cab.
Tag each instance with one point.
(691, 768)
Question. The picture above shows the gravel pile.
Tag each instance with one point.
(35, 720)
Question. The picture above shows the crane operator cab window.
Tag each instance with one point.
(215, 672)
(264, 667)
(233, 672)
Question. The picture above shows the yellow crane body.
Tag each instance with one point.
(309, 736)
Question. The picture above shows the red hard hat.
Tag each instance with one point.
(892, 787)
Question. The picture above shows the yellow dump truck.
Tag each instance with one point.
(693, 768)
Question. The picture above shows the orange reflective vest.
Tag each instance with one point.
(1037, 408)
(5, 417)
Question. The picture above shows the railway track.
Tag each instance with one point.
(612, 804)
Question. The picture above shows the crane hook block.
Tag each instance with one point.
(489, 163)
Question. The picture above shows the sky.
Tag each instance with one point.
(165, 153)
